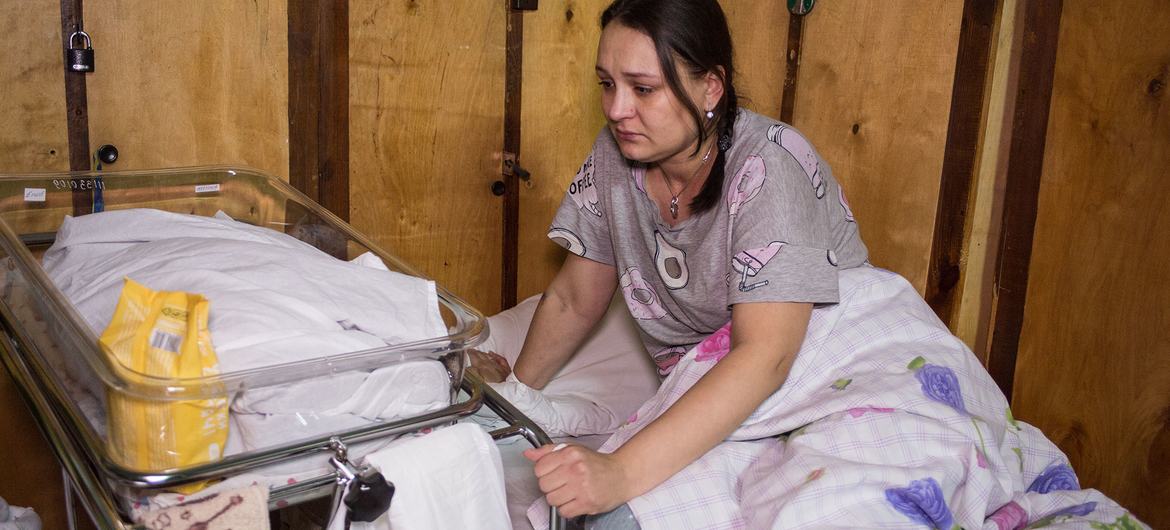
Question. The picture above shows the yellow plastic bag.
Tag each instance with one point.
(163, 334)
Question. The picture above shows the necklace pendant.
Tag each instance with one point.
(674, 207)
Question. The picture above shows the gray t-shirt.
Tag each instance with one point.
(780, 233)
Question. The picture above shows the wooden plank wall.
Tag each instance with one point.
(426, 115)
(32, 138)
(874, 97)
(33, 79)
(1093, 370)
(188, 83)
(560, 118)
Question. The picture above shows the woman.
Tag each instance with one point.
(702, 213)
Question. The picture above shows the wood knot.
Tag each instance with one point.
(569, 15)
(1160, 450)
(1072, 441)
(856, 127)
(1154, 88)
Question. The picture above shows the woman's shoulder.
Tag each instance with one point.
(760, 136)
(756, 133)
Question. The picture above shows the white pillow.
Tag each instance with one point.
(608, 378)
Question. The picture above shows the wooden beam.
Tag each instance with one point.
(513, 80)
(1025, 166)
(959, 157)
(318, 101)
(792, 62)
(76, 106)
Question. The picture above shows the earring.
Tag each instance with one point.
(710, 114)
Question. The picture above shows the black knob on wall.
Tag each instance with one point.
(499, 188)
(107, 154)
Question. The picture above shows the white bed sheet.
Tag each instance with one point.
(274, 299)
(608, 378)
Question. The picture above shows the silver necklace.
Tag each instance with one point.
(673, 195)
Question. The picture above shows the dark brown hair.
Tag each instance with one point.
(694, 32)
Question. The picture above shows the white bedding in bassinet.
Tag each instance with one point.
(274, 300)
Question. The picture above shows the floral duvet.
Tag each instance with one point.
(886, 420)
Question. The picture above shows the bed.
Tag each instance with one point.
(304, 342)
(886, 420)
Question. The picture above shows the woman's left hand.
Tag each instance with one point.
(491, 367)
(577, 480)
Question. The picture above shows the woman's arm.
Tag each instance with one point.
(765, 339)
(571, 306)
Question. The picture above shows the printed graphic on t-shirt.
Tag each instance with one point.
(582, 188)
(746, 184)
(802, 151)
(845, 205)
(749, 262)
(567, 239)
(666, 358)
(671, 263)
(640, 296)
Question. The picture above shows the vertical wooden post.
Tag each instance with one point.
(958, 170)
(1025, 165)
(76, 107)
(792, 62)
(513, 80)
(318, 101)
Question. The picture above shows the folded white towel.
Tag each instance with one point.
(450, 478)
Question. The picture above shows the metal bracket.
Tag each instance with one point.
(340, 461)
(511, 167)
(508, 164)
(525, 5)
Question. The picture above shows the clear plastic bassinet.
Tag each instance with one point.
(63, 356)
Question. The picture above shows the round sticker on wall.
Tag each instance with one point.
(800, 7)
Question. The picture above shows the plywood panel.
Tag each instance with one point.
(32, 138)
(426, 126)
(561, 116)
(32, 78)
(1093, 369)
(759, 33)
(874, 92)
(190, 83)
(562, 105)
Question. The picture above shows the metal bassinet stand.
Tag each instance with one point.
(90, 480)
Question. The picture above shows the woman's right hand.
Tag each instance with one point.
(490, 367)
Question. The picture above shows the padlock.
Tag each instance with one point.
(80, 59)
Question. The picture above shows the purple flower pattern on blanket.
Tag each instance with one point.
(1009, 517)
(1056, 477)
(923, 502)
(1079, 510)
(715, 346)
(940, 384)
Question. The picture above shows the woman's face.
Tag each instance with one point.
(649, 123)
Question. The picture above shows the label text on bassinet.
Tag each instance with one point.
(165, 341)
(34, 194)
(78, 184)
(206, 188)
